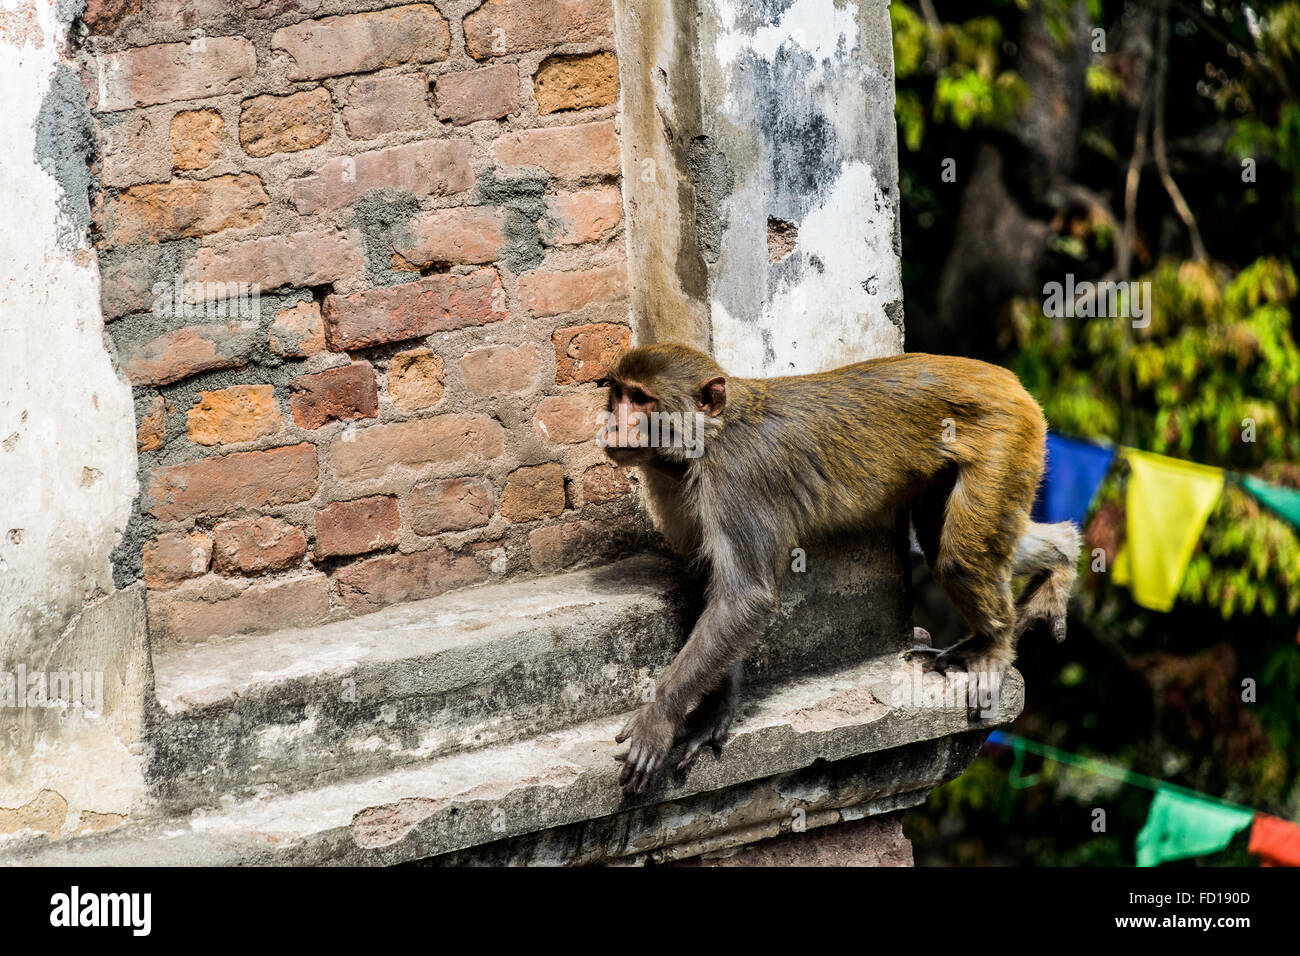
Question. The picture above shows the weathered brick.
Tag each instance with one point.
(220, 485)
(544, 292)
(372, 452)
(216, 607)
(195, 138)
(133, 150)
(174, 557)
(558, 546)
(503, 369)
(181, 353)
(103, 16)
(566, 152)
(484, 94)
(499, 27)
(254, 545)
(168, 72)
(438, 167)
(374, 582)
(298, 331)
(234, 414)
(336, 394)
(187, 14)
(297, 259)
(585, 353)
(453, 504)
(436, 303)
(355, 527)
(572, 418)
(363, 42)
(576, 82)
(582, 216)
(126, 277)
(152, 430)
(266, 9)
(284, 124)
(457, 236)
(383, 104)
(534, 492)
(603, 483)
(415, 379)
(184, 208)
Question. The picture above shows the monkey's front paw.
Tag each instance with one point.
(651, 738)
(709, 724)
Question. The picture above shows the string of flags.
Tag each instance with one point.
(1168, 501)
(1181, 822)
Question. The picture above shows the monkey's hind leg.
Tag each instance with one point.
(710, 721)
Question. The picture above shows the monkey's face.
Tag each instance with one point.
(625, 433)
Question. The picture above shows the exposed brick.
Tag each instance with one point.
(174, 557)
(558, 546)
(436, 303)
(152, 430)
(266, 9)
(169, 72)
(572, 418)
(104, 16)
(534, 492)
(515, 26)
(576, 82)
(336, 394)
(195, 138)
(133, 149)
(297, 259)
(582, 216)
(126, 277)
(181, 353)
(218, 486)
(453, 504)
(383, 104)
(585, 353)
(485, 94)
(284, 124)
(298, 331)
(215, 607)
(184, 208)
(187, 14)
(461, 235)
(566, 152)
(551, 293)
(363, 42)
(602, 483)
(437, 167)
(415, 379)
(254, 545)
(503, 369)
(370, 584)
(371, 452)
(235, 414)
(355, 527)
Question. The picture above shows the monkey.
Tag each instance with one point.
(738, 471)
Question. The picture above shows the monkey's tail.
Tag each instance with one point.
(1049, 555)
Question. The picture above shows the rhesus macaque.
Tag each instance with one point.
(738, 472)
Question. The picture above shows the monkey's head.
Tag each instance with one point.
(664, 402)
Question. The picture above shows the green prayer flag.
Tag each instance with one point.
(1284, 501)
(1180, 826)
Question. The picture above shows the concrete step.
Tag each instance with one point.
(823, 747)
(259, 715)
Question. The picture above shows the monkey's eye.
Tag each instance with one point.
(638, 397)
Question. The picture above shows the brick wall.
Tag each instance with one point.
(364, 266)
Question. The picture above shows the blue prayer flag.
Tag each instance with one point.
(1074, 472)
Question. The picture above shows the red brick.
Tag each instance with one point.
(499, 27)
(415, 380)
(152, 431)
(453, 504)
(195, 138)
(103, 16)
(572, 418)
(603, 483)
(168, 72)
(254, 545)
(576, 82)
(558, 546)
(363, 42)
(184, 208)
(134, 149)
(534, 492)
(484, 94)
(585, 353)
(503, 369)
(336, 394)
(284, 124)
(566, 152)
(436, 303)
(582, 216)
(355, 527)
(234, 414)
(179, 354)
(370, 584)
(215, 607)
(383, 104)
(298, 331)
(174, 557)
(437, 167)
(297, 259)
(372, 452)
(218, 486)
(457, 236)
(551, 293)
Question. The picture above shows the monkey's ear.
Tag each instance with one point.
(713, 396)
